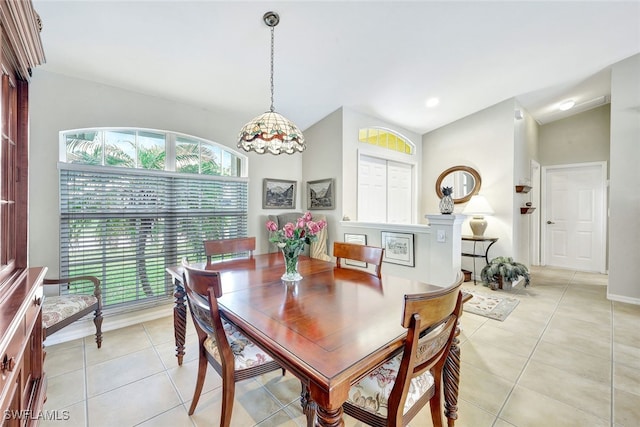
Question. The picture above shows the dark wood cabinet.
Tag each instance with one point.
(22, 378)
(21, 355)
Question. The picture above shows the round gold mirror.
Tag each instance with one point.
(464, 180)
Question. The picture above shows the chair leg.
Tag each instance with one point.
(228, 393)
(435, 402)
(97, 320)
(202, 373)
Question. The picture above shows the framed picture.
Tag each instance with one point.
(278, 194)
(321, 194)
(360, 239)
(398, 248)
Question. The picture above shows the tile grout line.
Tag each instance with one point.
(611, 372)
(86, 383)
(515, 383)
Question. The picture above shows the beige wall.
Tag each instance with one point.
(580, 138)
(322, 160)
(59, 102)
(624, 192)
(484, 141)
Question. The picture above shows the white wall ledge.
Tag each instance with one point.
(413, 228)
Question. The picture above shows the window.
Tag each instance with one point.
(386, 139)
(125, 215)
(385, 178)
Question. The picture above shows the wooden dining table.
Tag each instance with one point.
(329, 329)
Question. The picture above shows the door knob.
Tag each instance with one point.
(550, 222)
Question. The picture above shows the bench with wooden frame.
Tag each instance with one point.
(83, 296)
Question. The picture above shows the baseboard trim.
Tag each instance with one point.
(85, 327)
(622, 298)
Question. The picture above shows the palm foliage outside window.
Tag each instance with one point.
(133, 202)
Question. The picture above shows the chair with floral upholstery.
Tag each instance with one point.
(221, 344)
(74, 298)
(393, 393)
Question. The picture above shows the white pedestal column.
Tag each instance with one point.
(446, 246)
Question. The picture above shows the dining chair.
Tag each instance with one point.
(221, 344)
(233, 247)
(82, 297)
(393, 393)
(363, 253)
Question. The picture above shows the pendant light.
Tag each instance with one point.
(271, 132)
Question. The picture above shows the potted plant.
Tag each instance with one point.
(501, 272)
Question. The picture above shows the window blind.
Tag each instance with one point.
(126, 228)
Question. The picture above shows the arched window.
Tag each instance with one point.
(386, 138)
(135, 201)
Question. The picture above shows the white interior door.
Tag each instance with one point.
(372, 189)
(574, 216)
(399, 181)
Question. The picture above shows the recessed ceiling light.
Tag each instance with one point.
(432, 102)
(567, 105)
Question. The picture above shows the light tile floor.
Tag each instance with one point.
(566, 356)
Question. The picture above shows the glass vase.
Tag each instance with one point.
(291, 254)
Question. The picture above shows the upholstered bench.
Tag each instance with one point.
(83, 297)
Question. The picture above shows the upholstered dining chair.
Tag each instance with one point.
(221, 344)
(83, 296)
(231, 247)
(369, 254)
(393, 393)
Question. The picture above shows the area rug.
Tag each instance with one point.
(492, 306)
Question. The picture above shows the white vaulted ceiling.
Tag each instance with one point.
(381, 58)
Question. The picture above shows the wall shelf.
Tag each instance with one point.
(523, 188)
(527, 210)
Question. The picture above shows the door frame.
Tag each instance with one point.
(605, 205)
(535, 242)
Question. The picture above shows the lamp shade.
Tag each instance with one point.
(478, 207)
(271, 132)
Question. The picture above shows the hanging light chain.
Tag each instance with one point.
(272, 38)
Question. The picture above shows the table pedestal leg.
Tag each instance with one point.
(329, 418)
(451, 380)
(179, 320)
(309, 407)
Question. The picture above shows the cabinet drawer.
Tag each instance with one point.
(11, 360)
(33, 310)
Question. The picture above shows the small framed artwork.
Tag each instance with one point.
(321, 194)
(398, 248)
(278, 194)
(359, 239)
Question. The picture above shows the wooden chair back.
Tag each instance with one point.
(431, 321)
(203, 288)
(233, 246)
(369, 254)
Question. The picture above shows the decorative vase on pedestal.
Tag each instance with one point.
(446, 205)
(291, 254)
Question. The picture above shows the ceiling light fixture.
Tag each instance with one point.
(271, 132)
(432, 102)
(567, 105)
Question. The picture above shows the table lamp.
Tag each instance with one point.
(478, 207)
